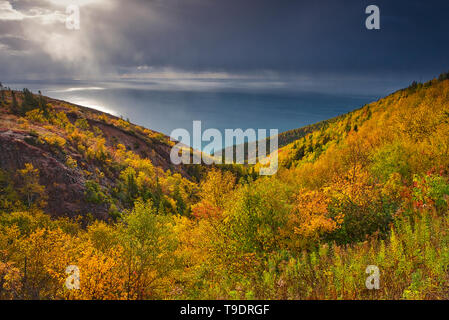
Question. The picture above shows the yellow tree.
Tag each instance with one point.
(30, 188)
(214, 191)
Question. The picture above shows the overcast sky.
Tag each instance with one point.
(315, 41)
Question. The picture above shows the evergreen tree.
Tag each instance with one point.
(3, 93)
(157, 195)
(414, 85)
(29, 101)
(180, 205)
(443, 76)
(43, 105)
(15, 105)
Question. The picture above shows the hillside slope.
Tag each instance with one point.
(370, 188)
(76, 151)
(406, 114)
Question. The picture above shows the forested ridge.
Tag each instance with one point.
(367, 188)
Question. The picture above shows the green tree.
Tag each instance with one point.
(3, 93)
(129, 185)
(29, 101)
(149, 241)
(180, 204)
(15, 105)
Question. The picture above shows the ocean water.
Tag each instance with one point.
(164, 108)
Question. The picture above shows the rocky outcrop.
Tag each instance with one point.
(64, 185)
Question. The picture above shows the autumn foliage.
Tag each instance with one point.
(367, 188)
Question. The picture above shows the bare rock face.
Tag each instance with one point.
(64, 186)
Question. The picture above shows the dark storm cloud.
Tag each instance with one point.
(284, 38)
